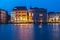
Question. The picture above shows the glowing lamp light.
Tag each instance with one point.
(24, 19)
(57, 18)
(18, 19)
(41, 20)
(15, 18)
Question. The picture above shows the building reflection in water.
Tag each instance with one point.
(40, 26)
(25, 32)
(55, 31)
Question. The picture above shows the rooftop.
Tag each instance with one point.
(20, 8)
(38, 9)
(2, 10)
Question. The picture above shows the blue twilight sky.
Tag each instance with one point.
(51, 5)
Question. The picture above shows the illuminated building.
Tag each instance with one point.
(19, 14)
(26, 31)
(3, 16)
(51, 17)
(13, 17)
(35, 12)
(39, 14)
(54, 17)
(57, 16)
(30, 13)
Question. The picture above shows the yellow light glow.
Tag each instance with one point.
(24, 19)
(50, 20)
(21, 18)
(18, 19)
(57, 18)
(15, 19)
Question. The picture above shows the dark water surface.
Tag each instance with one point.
(50, 31)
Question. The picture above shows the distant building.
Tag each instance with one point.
(13, 16)
(39, 14)
(43, 15)
(51, 17)
(3, 16)
(19, 14)
(57, 16)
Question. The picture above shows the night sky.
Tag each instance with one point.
(51, 5)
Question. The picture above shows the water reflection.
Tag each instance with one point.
(40, 26)
(55, 31)
(6, 32)
(25, 31)
(36, 31)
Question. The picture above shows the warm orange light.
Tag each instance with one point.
(41, 20)
(57, 18)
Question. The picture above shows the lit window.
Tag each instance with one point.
(18, 19)
(29, 14)
(32, 14)
(21, 18)
(24, 19)
(15, 18)
(40, 14)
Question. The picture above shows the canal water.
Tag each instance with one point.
(48, 31)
